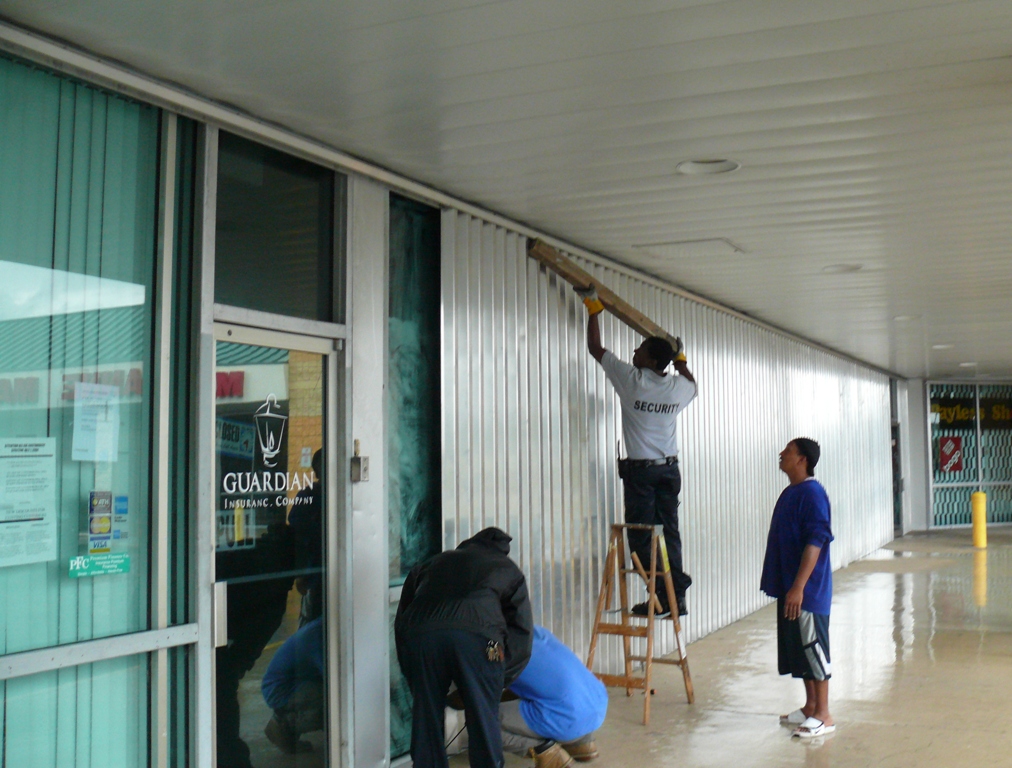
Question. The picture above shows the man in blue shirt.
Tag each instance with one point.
(797, 573)
(560, 701)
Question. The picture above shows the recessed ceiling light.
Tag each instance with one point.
(941, 346)
(906, 318)
(967, 365)
(707, 167)
(842, 269)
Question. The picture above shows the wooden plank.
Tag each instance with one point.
(676, 662)
(579, 278)
(620, 681)
(631, 630)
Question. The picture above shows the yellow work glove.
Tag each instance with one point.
(679, 350)
(590, 299)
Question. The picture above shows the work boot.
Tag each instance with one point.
(581, 750)
(551, 755)
(640, 609)
(682, 583)
(282, 736)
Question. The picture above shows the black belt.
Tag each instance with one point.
(665, 462)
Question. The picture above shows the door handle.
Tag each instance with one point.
(220, 614)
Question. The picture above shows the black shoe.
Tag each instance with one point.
(682, 610)
(640, 609)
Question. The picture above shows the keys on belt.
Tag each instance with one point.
(493, 651)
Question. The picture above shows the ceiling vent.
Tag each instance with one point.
(691, 249)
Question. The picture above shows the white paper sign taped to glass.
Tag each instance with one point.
(27, 501)
(96, 422)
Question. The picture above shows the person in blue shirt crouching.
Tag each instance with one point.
(554, 707)
(293, 687)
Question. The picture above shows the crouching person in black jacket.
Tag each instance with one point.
(464, 617)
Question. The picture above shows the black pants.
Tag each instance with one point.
(651, 498)
(434, 659)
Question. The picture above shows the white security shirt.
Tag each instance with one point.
(650, 403)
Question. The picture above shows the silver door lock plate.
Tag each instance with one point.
(360, 469)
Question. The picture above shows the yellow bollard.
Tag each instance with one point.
(978, 515)
(980, 578)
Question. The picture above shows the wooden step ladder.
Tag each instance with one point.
(616, 571)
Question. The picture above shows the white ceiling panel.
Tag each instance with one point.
(875, 133)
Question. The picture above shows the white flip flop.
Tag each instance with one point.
(811, 728)
(797, 717)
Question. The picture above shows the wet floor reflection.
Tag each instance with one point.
(921, 636)
(980, 578)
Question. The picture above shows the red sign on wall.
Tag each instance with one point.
(230, 383)
(950, 454)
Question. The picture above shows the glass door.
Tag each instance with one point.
(270, 555)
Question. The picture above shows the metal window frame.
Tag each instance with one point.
(367, 311)
(268, 336)
(202, 664)
(340, 608)
(338, 635)
(239, 316)
(90, 651)
(240, 325)
(162, 428)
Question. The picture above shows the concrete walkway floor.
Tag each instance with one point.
(921, 639)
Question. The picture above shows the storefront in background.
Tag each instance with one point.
(971, 450)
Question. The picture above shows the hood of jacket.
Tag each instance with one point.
(493, 538)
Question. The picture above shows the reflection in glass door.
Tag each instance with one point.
(269, 540)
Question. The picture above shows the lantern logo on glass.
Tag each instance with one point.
(270, 424)
(950, 454)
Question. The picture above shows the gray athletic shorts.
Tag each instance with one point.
(803, 645)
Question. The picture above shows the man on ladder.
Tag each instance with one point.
(651, 399)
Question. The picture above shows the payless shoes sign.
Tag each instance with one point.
(958, 413)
